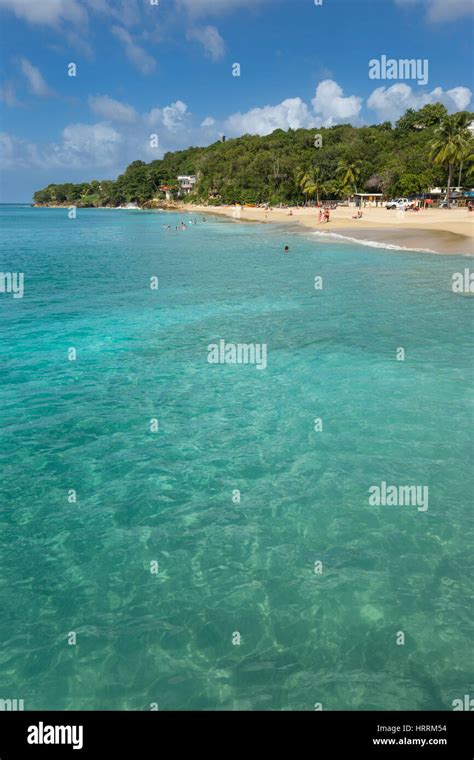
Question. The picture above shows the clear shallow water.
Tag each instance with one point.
(85, 567)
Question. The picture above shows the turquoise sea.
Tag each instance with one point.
(227, 568)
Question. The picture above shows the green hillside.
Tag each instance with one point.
(288, 167)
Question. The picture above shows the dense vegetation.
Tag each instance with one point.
(424, 149)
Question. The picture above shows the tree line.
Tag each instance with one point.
(425, 148)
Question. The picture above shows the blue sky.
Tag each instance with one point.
(166, 69)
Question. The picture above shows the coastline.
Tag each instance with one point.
(435, 231)
(431, 230)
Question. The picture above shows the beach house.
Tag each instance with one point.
(168, 191)
(186, 184)
(437, 195)
(361, 200)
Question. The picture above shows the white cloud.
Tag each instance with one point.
(88, 145)
(139, 57)
(215, 7)
(36, 82)
(126, 11)
(329, 107)
(8, 95)
(82, 146)
(292, 113)
(55, 12)
(46, 12)
(442, 10)
(123, 135)
(210, 39)
(111, 109)
(154, 117)
(173, 116)
(460, 97)
(17, 153)
(94, 148)
(390, 103)
(101, 146)
(330, 102)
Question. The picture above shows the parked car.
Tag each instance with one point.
(401, 204)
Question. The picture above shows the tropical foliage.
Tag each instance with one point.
(451, 145)
(423, 149)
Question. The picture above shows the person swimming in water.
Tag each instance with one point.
(287, 249)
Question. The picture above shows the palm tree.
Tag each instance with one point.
(349, 172)
(449, 146)
(335, 188)
(470, 165)
(467, 159)
(464, 119)
(319, 185)
(312, 183)
(304, 181)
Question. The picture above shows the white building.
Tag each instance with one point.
(444, 190)
(186, 183)
(361, 200)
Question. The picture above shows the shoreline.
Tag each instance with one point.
(435, 231)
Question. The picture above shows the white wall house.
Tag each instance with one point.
(361, 200)
(444, 190)
(186, 183)
(167, 191)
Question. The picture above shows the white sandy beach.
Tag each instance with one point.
(439, 230)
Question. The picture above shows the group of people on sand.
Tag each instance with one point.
(359, 215)
(182, 225)
(324, 215)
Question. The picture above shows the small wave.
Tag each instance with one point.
(372, 243)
